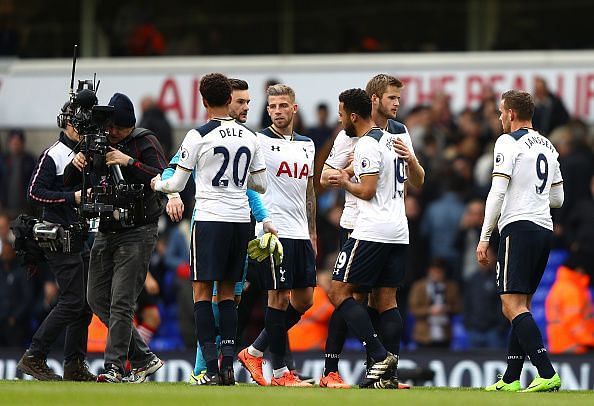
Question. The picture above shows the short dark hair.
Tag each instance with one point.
(378, 84)
(519, 101)
(215, 88)
(356, 101)
(238, 84)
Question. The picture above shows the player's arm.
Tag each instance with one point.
(366, 164)
(175, 205)
(503, 165)
(257, 179)
(366, 187)
(340, 157)
(310, 208)
(176, 183)
(327, 170)
(492, 211)
(260, 212)
(556, 194)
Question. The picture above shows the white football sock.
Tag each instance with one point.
(278, 373)
(254, 352)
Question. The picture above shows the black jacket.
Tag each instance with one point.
(143, 146)
(47, 187)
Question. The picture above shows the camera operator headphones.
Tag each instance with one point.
(63, 117)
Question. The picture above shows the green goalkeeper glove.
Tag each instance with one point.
(268, 245)
(276, 250)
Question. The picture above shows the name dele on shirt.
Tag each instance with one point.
(230, 132)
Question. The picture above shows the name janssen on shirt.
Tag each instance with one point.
(531, 141)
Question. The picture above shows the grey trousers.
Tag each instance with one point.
(117, 271)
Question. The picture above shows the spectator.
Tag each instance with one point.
(265, 119)
(577, 166)
(469, 232)
(483, 319)
(549, 112)
(440, 222)
(569, 307)
(579, 226)
(18, 167)
(432, 302)
(154, 119)
(321, 132)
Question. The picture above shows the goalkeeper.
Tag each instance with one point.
(175, 209)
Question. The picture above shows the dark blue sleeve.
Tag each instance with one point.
(42, 186)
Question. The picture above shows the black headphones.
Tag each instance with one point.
(63, 117)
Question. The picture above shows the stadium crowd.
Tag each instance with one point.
(444, 283)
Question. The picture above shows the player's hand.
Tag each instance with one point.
(350, 170)
(174, 208)
(339, 179)
(115, 156)
(79, 161)
(402, 150)
(481, 253)
(269, 227)
(154, 181)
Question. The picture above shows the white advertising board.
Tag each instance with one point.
(31, 92)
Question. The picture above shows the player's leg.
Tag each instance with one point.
(205, 329)
(234, 272)
(357, 264)
(337, 331)
(227, 329)
(279, 314)
(304, 282)
(384, 300)
(522, 256)
(208, 260)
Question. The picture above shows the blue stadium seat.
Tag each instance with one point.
(168, 337)
(459, 335)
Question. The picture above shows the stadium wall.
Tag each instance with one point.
(31, 91)
(449, 369)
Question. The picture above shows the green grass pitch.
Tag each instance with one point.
(178, 394)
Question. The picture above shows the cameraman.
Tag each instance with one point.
(71, 313)
(120, 255)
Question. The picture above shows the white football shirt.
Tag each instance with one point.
(289, 165)
(341, 148)
(383, 218)
(339, 155)
(224, 153)
(530, 163)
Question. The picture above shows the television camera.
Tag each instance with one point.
(110, 198)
